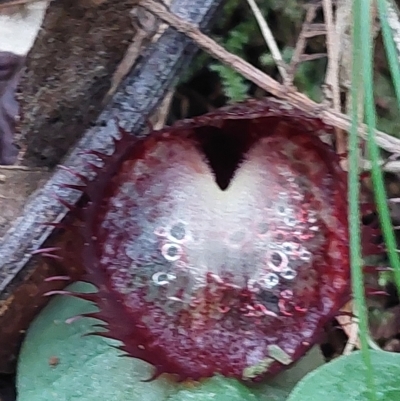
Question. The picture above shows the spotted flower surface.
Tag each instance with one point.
(220, 245)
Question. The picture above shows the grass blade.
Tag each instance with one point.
(359, 57)
(386, 14)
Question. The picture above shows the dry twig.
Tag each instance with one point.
(123, 68)
(393, 18)
(15, 167)
(146, 26)
(302, 40)
(270, 40)
(389, 166)
(160, 116)
(349, 325)
(13, 3)
(331, 117)
(332, 74)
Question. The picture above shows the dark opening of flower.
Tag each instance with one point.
(220, 245)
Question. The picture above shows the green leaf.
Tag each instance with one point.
(215, 389)
(89, 368)
(280, 387)
(234, 85)
(344, 379)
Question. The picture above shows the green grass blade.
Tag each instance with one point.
(387, 11)
(354, 190)
(392, 54)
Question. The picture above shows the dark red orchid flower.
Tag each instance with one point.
(219, 245)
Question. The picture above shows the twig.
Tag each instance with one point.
(161, 27)
(160, 116)
(302, 40)
(343, 35)
(332, 73)
(264, 81)
(13, 3)
(19, 168)
(349, 325)
(311, 57)
(344, 64)
(270, 40)
(353, 340)
(389, 167)
(130, 56)
(146, 26)
(393, 18)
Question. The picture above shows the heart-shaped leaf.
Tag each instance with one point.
(280, 386)
(344, 379)
(57, 362)
(216, 388)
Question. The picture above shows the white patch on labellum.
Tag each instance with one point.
(223, 212)
(19, 30)
(200, 233)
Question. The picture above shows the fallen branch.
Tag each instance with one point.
(297, 99)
